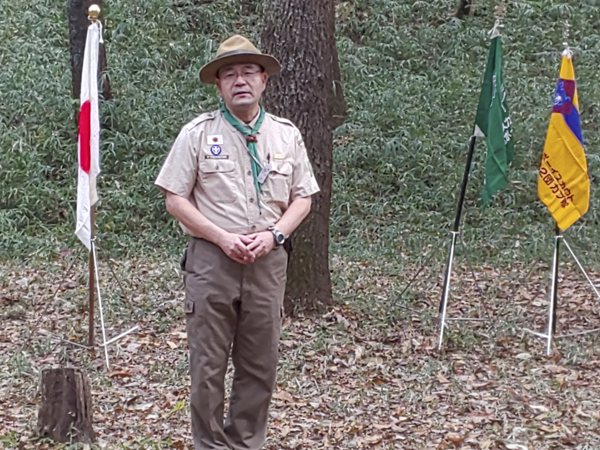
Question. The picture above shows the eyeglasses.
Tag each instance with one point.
(231, 76)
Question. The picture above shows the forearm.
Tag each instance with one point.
(294, 215)
(181, 208)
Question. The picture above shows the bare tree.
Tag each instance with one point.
(300, 33)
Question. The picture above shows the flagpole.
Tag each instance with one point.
(494, 33)
(93, 14)
(455, 231)
(463, 189)
(553, 291)
(92, 281)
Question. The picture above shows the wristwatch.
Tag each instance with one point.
(278, 236)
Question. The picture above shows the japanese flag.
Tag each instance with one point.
(89, 137)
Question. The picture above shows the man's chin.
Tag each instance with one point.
(242, 101)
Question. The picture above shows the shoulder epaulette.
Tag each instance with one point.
(281, 120)
(198, 120)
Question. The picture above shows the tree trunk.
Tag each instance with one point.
(300, 33)
(464, 8)
(66, 411)
(77, 12)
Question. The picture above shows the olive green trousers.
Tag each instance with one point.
(235, 309)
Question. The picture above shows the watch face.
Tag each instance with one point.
(280, 238)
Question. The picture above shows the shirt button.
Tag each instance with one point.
(253, 227)
(249, 172)
(217, 167)
(251, 200)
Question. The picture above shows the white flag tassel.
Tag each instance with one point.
(89, 137)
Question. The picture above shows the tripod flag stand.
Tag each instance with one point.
(563, 182)
(89, 166)
(493, 123)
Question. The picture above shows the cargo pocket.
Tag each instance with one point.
(218, 180)
(277, 184)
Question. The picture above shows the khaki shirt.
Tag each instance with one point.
(209, 164)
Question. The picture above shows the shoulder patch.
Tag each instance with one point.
(281, 120)
(198, 120)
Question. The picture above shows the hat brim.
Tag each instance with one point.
(208, 73)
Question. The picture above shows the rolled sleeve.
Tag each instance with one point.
(304, 183)
(179, 171)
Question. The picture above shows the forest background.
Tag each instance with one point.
(411, 74)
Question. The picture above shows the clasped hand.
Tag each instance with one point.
(245, 249)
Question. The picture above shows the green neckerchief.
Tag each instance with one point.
(251, 142)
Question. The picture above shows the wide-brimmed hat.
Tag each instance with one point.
(235, 50)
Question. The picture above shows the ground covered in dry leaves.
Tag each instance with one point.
(366, 374)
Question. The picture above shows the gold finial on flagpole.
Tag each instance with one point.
(94, 13)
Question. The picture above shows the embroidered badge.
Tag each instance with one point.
(215, 150)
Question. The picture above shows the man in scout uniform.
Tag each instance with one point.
(239, 181)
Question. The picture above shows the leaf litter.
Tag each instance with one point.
(366, 374)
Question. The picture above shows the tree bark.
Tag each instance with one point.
(77, 12)
(300, 33)
(464, 8)
(66, 411)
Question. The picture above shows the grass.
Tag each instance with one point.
(411, 74)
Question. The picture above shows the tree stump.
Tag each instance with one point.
(66, 411)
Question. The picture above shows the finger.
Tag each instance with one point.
(247, 239)
(249, 256)
(242, 249)
(238, 258)
(254, 245)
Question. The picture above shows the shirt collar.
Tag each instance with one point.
(252, 122)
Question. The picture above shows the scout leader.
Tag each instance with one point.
(239, 181)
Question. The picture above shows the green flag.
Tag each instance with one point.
(493, 122)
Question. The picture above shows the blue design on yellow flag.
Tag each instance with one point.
(563, 183)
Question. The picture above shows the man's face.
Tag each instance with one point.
(241, 85)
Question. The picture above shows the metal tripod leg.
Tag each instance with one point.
(446, 290)
(587, 277)
(100, 303)
(485, 309)
(415, 276)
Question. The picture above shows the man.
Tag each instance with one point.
(239, 182)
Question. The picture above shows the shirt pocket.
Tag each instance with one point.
(277, 185)
(217, 178)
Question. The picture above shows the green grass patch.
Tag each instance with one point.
(411, 73)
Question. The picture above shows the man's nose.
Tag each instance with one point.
(240, 80)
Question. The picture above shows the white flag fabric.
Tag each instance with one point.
(89, 137)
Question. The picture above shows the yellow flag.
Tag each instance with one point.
(563, 183)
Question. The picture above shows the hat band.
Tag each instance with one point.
(238, 52)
